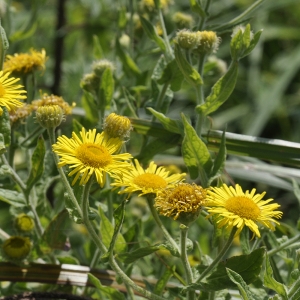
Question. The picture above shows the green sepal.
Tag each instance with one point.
(171, 125)
(172, 74)
(130, 257)
(219, 162)
(221, 91)
(37, 164)
(247, 266)
(152, 34)
(54, 236)
(241, 284)
(190, 74)
(108, 291)
(197, 8)
(271, 283)
(97, 49)
(195, 154)
(5, 127)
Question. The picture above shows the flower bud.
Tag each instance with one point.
(208, 42)
(183, 20)
(124, 40)
(16, 248)
(101, 65)
(24, 223)
(49, 116)
(117, 126)
(90, 82)
(186, 39)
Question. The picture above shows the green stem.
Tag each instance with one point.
(63, 176)
(169, 51)
(220, 255)
(184, 258)
(161, 98)
(284, 245)
(160, 224)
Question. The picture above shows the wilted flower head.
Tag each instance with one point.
(117, 126)
(23, 63)
(20, 113)
(182, 202)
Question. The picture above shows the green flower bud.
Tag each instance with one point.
(186, 39)
(24, 223)
(49, 116)
(117, 126)
(208, 42)
(90, 82)
(101, 65)
(124, 40)
(183, 20)
(16, 248)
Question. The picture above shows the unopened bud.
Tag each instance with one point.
(117, 126)
(16, 248)
(90, 82)
(183, 20)
(49, 116)
(101, 65)
(24, 223)
(208, 42)
(186, 39)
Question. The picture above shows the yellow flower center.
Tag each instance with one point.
(92, 155)
(243, 207)
(150, 181)
(2, 90)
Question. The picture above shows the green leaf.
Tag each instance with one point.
(122, 19)
(170, 124)
(97, 49)
(197, 8)
(294, 291)
(247, 266)
(73, 212)
(236, 45)
(106, 88)
(90, 107)
(12, 197)
(110, 292)
(221, 91)
(190, 74)
(253, 42)
(271, 283)
(2, 144)
(164, 279)
(107, 232)
(247, 36)
(152, 34)
(131, 257)
(67, 259)
(195, 154)
(5, 127)
(127, 61)
(219, 162)
(37, 164)
(241, 284)
(24, 34)
(173, 75)
(54, 236)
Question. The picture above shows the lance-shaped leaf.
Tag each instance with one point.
(221, 91)
(195, 154)
(54, 236)
(164, 279)
(241, 284)
(197, 8)
(12, 197)
(152, 34)
(106, 88)
(5, 127)
(190, 74)
(97, 49)
(271, 283)
(108, 291)
(37, 164)
(253, 43)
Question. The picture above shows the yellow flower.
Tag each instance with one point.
(24, 63)
(147, 181)
(233, 207)
(91, 154)
(52, 100)
(10, 92)
(183, 202)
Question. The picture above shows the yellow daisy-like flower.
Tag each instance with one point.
(23, 63)
(10, 92)
(91, 154)
(183, 202)
(148, 181)
(233, 207)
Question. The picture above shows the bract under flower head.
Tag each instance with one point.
(148, 181)
(23, 63)
(10, 92)
(233, 207)
(182, 202)
(91, 153)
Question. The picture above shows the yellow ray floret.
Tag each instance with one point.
(91, 153)
(235, 208)
(10, 92)
(147, 181)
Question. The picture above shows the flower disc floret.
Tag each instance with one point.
(147, 181)
(91, 153)
(235, 208)
(10, 92)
